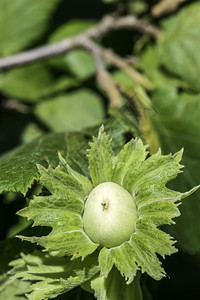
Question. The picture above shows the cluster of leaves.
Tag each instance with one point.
(43, 103)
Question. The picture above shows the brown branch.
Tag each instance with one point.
(12, 104)
(85, 40)
(122, 64)
(108, 24)
(103, 76)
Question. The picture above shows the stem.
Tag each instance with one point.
(107, 24)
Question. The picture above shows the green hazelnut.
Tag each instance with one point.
(110, 215)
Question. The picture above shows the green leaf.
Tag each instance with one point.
(63, 212)
(21, 225)
(179, 43)
(133, 89)
(122, 258)
(80, 63)
(157, 170)
(23, 23)
(132, 154)
(25, 83)
(31, 132)
(18, 168)
(151, 65)
(101, 159)
(14, 288)
(31, 83)
(114, 287)
(71, 112)
(70, 29)
(53, 276)
(85, 182)
(110, 1)
(177, 123)
(137, 7)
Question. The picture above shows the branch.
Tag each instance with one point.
(107, 24)
(122, 64)
(103, 76)
(165, 6)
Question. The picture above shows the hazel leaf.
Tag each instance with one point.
(84, 181)
(130, 156)
(101, 159)
(146, 258)
(123, 259)
(114, 287)
(62, 211)
(18, 168)
(155, 171)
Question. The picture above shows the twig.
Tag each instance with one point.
(106, 81)
(108, 24)
(85, 40)
(12, 104)
(165, 6)
(122, 64)
(103, 75)
(117, 61)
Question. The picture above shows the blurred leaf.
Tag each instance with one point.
(79, 62)
(14, 290)
(137, 6)
(22, 23)
(110, 1)
(21, 225)
(177, 123)
(9, 250)
(69, 29)
(26, 82)
(59, 85)
(133, 90)
(71, 112)
(150, 63)
(29, 83)
(178, 47)
(31, 132)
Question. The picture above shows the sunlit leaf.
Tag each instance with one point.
(179, 43)
(15, 34)
(31, 83)
(72, 112)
